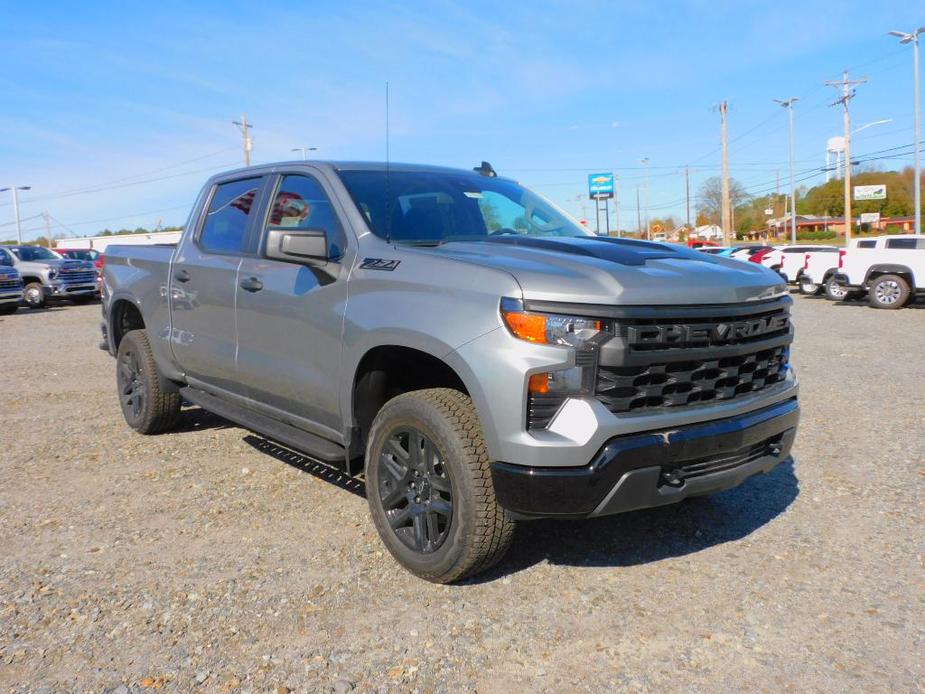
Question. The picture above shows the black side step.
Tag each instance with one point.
(298, 439)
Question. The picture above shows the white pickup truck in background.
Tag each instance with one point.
(890, 269)
(789, 261)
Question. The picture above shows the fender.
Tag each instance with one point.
(889, 269)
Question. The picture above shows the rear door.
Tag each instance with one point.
(203, 285)
(290, 314)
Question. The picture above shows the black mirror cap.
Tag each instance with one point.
(297, 245)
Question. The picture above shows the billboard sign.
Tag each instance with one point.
(870, 218)
(870, 192)
(600, 186)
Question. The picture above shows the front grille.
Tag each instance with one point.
(78, 277)
(679, 383)
(11, 284)
(668, 357)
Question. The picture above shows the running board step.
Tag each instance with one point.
(298, 439)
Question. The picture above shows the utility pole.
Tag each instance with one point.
(244, 126)
(638, 217)
(847, 90)
(913, 38)
(645, 163)
(725, 213)
(687, 195)
(47, 219)
(616, 205)
(788, 104)
(16, 207)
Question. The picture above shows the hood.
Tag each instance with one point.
(604, 270)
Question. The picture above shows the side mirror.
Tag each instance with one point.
(297, 245)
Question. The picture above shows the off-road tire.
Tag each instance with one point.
(158, 406)
(834, 291)
(33, 295)
(889, 292)
(479, 532)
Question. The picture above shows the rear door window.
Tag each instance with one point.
(905, 244)
(225, 227)
(872, 243)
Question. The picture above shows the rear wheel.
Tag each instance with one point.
(428, 482)
(150, 403)
(834, 291)
(889, 292)
(33, 295)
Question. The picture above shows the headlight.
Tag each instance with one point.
(581, 334)
(52, 274)
(550, 329)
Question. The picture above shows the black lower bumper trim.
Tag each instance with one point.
(653, 469)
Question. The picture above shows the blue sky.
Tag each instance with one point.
(115, 113)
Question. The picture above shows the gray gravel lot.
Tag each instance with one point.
(208, 559)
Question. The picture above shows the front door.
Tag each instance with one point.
(203, 286)
(290, 315)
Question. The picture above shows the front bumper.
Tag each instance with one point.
(63, 291)
(654, 468)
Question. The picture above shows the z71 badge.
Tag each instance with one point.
(379, 264)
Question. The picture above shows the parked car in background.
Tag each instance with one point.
(91, 254)
(10, 286)
(712, 250)
(889, 269)
(788, 261)
(46, 275)
(746, 251)
(495, 361)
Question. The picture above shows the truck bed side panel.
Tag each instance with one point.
(139, 274)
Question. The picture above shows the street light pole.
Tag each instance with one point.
(304, 151)
(788, 104)
(16, 207)
(913, 38)
(645, 163)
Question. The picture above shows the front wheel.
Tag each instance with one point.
(33, 295)
(429, 486)
(834, 291)
(150, 403)
(889, 292)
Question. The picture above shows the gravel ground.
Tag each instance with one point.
(209, 559)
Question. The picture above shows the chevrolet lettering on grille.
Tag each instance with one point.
(705, 333)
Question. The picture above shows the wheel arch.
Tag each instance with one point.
(880, 269)
(388, 369)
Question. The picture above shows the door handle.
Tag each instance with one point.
(251, 284)
(181, 276)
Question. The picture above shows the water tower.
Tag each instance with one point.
(834, 156)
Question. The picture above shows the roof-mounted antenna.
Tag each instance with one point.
(486, 170)
(388, 211)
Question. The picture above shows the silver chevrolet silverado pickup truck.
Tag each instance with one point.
(459, 342)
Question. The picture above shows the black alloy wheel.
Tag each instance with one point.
(415, 490)
(132, 388)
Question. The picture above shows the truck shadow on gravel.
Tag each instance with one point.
(628, 539)
(642, 537)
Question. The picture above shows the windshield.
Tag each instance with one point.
(435, 207)
(79, 254)
(29, 253)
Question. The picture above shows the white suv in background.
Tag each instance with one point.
(890, 269)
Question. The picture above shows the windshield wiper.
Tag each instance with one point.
(420, 242)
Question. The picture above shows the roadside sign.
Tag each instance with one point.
(600, 186)
(870, 218)
(877, 192)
